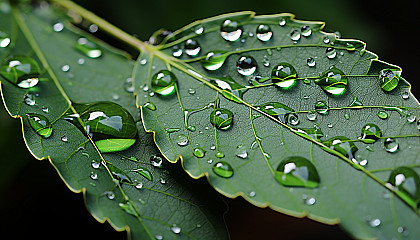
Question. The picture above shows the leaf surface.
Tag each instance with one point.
(133, 189)
(272, 124)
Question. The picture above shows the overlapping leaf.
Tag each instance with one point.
(132, 189)
(353, 188)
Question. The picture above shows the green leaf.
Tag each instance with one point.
(243, 72)
(77, 138)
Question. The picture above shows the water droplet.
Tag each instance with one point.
(191, 91)
(93, 175)
(264, 32)
(150, 106)
(175, 229)
(321, 107)
(293, 119)
(21, 70)
(284, 75)
(118, 174)
(128, 207)
(411, 118)
(159, 237)
(4, 39)
(177, 51)
(156, 161)
(311, 62)
(355, 102)
(214, 60)
(282, 22)
(88, 48)
(199, 152)
(370, 133)
(199, 29)
(29, 99)
(391, 145)
(233, 90)
(40, 124)
(374, 222)
(139, 185)
(296, 171)
(221, 118)
(342, 145)
(246, 65)
(64, 138)
(306, 31)
(220, 154)
(405, 93)
(65, 68)
(163, 82)
(93, 28)
(109, 194)
(326, 40)
(128, 85)
(406, 180)
(192, 48)
(241, 151)
(223, 169)
(346, 116)
(144, 172)
(162, 181)
(276, 109)
(252, 194)
(403, 231)
(295, 35)
(95, 165)
(182, 140)
(389, 78)
(230, 30)
(331, 53)
(333, 81)
(108, 124)
(311, 116)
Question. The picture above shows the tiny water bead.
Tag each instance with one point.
(182, 140)
(163, 82)
(230, 30)
(282, 22)
(199, 152)
(293, 119)
(108, 124)
(241, 151)
(221, 118)
(330, 52)
(321, 107)
(4, 39)
(88, 48)
(284, 75)
(21, 70)
(177, 51)
(295, 35)
(382, 115)
(370, 133)
(296, 171)
(276, 109)
(214, 60)
(406, 180)
(40, 124)
(156, 161)
(264, 32)
(223, 169)
(311, 62)
(192, 48)
(246, 65)
(333, 81)
(306, 31)
(389, 78)
(391, 145)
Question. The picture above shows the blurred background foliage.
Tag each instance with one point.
(34, 202)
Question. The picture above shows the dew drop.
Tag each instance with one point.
(223, 169)
(333, 81)
(241, 151)
(295, 35)
(311, 116)
(276, 109)
(406, 180)
(88, 48)
(139, 185)
(65, 68)
(163, 82)
(40, 124)
(214, 60)
(342, 145)
(246, 65)
(162, 181)
(199, 29)
(4, 39)
(306, 31)
(29, 99)
(150, 106)
(284, 75)
(220, 154)
(370, 133)
(405, 93)
(391, 145)
(374, 222)
(311, 62)
(192, 48)
(326, 40)
(221, 118)
(230, 30)
(93, 175)
(382, 115)
(331, 53)
(64, 138)
(95, 165)
(21, 70)
(175, 229)
(109, 194)
(411, 118)
(264, 32)
(177, 51)
(389, 78)
(182, 140)
(321, 107)
(156, 161)
(296, 171)
(293, 119)
(199, 152)
(282, 22)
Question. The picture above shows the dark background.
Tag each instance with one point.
(34, 202)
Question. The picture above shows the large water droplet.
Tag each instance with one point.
(284, 75)
(4, 39)
(221, 118)
(296, 171)
(306, 31)
(370, 133)
(88, 48)
(321, 107)
(406, 180)
(391, 145)
(111, 126)
(333, 81)
(276, 109)
(246, 65)
(389, 78)
(192, 48)
(21, 70)
(311, 62)
(264, 32)
(331, 53)
(214, 60)
(40, 124)
(223, 169)
(295, 35)
(230, 30)
(163, 82)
